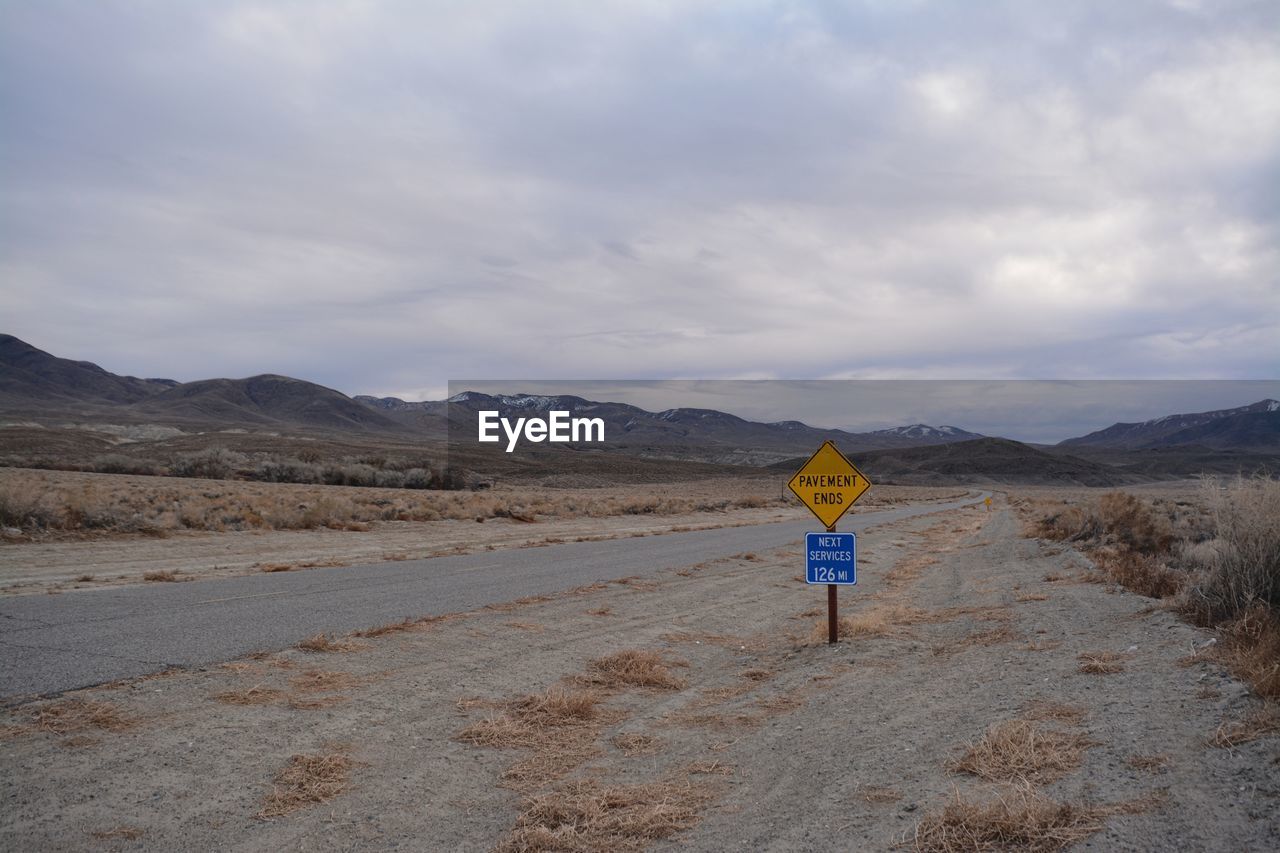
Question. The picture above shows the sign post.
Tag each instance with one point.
(829, 484)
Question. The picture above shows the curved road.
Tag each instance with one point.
(52, 643)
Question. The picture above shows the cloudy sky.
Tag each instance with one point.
(381, 196)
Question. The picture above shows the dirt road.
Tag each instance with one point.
(730, 728)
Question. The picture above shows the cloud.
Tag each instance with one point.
(381, 196)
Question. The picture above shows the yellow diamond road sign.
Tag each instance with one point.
(828, 484)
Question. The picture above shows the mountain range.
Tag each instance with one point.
(41, 390)
(1252, 427)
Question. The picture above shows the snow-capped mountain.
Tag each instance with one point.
(1256, 426)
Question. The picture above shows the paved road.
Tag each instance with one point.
(52, 643)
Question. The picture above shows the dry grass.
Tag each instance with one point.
(321, 643)
(636, 668)
(735, 720)
(558, 726)
(601, 611)
(587, 816)
(308, 780)
(123, 833)
(878, 794)
(888, 619)
(1031, 596)
(1148, 762)
(634, 743)
(1264, 721)
(256, 695)
(324, 681)
(161, 576)
(990, 637)
(530, 721)
(72, 504)
(1018, 750)
(1239, 568)
(710, 767)
(780, 704)
(1100, 663)
(1058, 712)
(1217, 557)
(1250, 648)
(70, 716)
(758, 675)
(315, 703)
(1016, 817)
(1145, 574)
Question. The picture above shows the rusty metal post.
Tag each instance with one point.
(833, 621)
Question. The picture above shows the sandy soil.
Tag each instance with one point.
(775, 742)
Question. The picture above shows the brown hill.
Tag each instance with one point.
(32, 376)
(985, 460)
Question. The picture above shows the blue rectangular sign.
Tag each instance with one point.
(831, 558)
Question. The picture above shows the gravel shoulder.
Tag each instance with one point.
(773, 740)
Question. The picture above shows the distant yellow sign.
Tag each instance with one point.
(828, 484)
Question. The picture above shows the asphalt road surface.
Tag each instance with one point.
(52, 643)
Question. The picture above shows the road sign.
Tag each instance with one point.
(828, 484)
(831, 558)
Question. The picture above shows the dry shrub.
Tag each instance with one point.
(601, 611)
(161, 576)
(586, 816)
(77, 715)
(1019, 750)
(1133, 523)
(322, 643)
(307, 780)
(634, 743)
(1142, 573)
(1018, 817)
(1241, 568)
(1237, 579)
(1251, 649)
(276, 567)
(1100, 663)
(1263, 721)
(636, 668)
(256, 695)
(1072, 524)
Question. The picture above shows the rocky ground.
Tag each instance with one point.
(979, 682)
